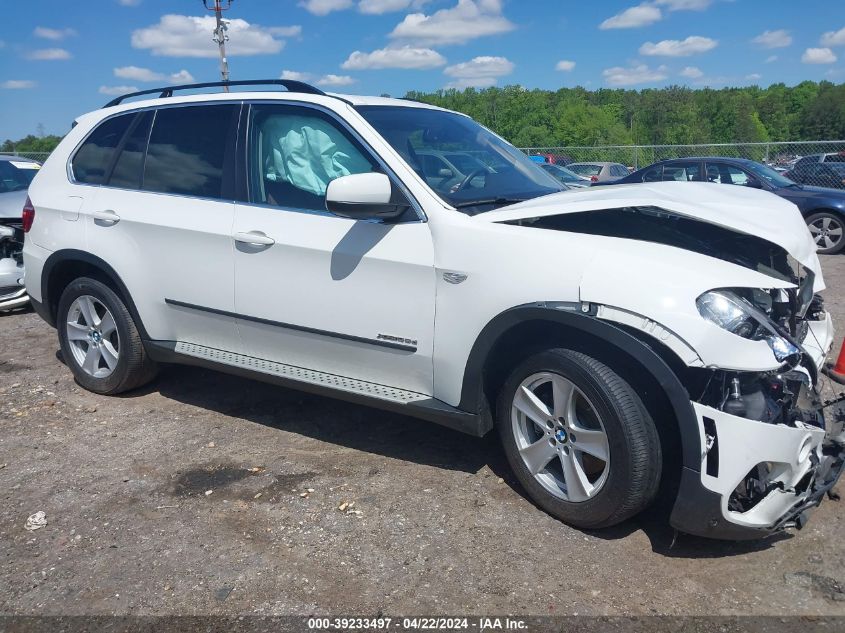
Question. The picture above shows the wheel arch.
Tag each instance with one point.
(63, 266)
(516, 333)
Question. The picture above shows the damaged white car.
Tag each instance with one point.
(622, 341)
(15, 175)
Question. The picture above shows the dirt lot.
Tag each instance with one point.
(208, 494)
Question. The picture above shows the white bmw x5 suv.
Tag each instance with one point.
(616, 338)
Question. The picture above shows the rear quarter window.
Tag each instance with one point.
(92, 160)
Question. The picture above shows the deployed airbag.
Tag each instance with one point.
(308, 153)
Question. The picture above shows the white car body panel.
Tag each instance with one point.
(356, 279)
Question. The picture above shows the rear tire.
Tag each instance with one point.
(828, 231)
(579, 439)
(99, 339)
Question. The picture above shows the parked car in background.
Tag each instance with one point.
(15, 176)
(828, 157)
(823, 209)
(566, 176)
(599, 172)
(830, 175)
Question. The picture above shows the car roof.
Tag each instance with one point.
(594, 162)
(724, 159)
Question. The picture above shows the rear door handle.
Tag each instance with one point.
(107, 217)
(254, 238)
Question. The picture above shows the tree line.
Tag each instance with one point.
(674, 115)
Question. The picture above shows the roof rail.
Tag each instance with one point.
(289, 84)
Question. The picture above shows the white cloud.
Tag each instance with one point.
(834, 38)
(635, 17)
(639, 74)
(129, 3)
(692, 72)
(116, 91)
(467, 20)
(771, 59)
(145, 74)
(405, 57)
(324, 7)
(773, 39)
(18, 84)
(296, 76)
(53, 34)
(685, 5)
(48, 54)
(565, 65)
(818, 56)
(190, 36)
(480, 72)
(335, 80)
(754, 77)
(679, 48)
(378, 7)
(285, 31)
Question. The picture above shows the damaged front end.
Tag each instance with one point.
(12, 291)
(771, 451)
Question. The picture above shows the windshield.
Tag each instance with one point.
(585, 169)
(769, 175)
(16, 175)
(466, 164)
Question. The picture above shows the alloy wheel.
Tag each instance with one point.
(93, 337)
(826, 231)
(560, 437)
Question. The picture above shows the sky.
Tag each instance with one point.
(60, 58)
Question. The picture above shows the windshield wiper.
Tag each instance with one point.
(496, 201)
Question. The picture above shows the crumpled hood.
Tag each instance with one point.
(11, 204)
(741, 209)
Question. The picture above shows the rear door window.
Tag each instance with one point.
(188, 149)
(92, 160)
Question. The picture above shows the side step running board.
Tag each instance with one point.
(307, 376)
(390, 398)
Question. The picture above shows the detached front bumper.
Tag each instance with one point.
(756, 478)
(795, 468)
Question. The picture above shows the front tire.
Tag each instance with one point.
(827, 231)
(579, 439)
(99, 340)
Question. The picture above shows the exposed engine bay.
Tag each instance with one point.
(12, 291)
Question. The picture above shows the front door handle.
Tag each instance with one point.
(106, 218)
(254, 238)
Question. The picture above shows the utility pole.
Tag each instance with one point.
(220, 35)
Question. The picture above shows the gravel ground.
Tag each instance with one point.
(209, 494)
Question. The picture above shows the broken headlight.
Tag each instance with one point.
(736, 315)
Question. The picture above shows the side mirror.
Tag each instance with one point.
(754, 183)
(364, 197)
(445, 173)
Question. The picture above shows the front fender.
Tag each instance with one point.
(569, 316)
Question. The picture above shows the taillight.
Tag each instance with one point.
(28, 215)
(594, 178)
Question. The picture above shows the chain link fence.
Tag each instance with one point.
(781, 156)
(39, 156)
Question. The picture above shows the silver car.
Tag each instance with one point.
(15, 175)
(600, 171)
